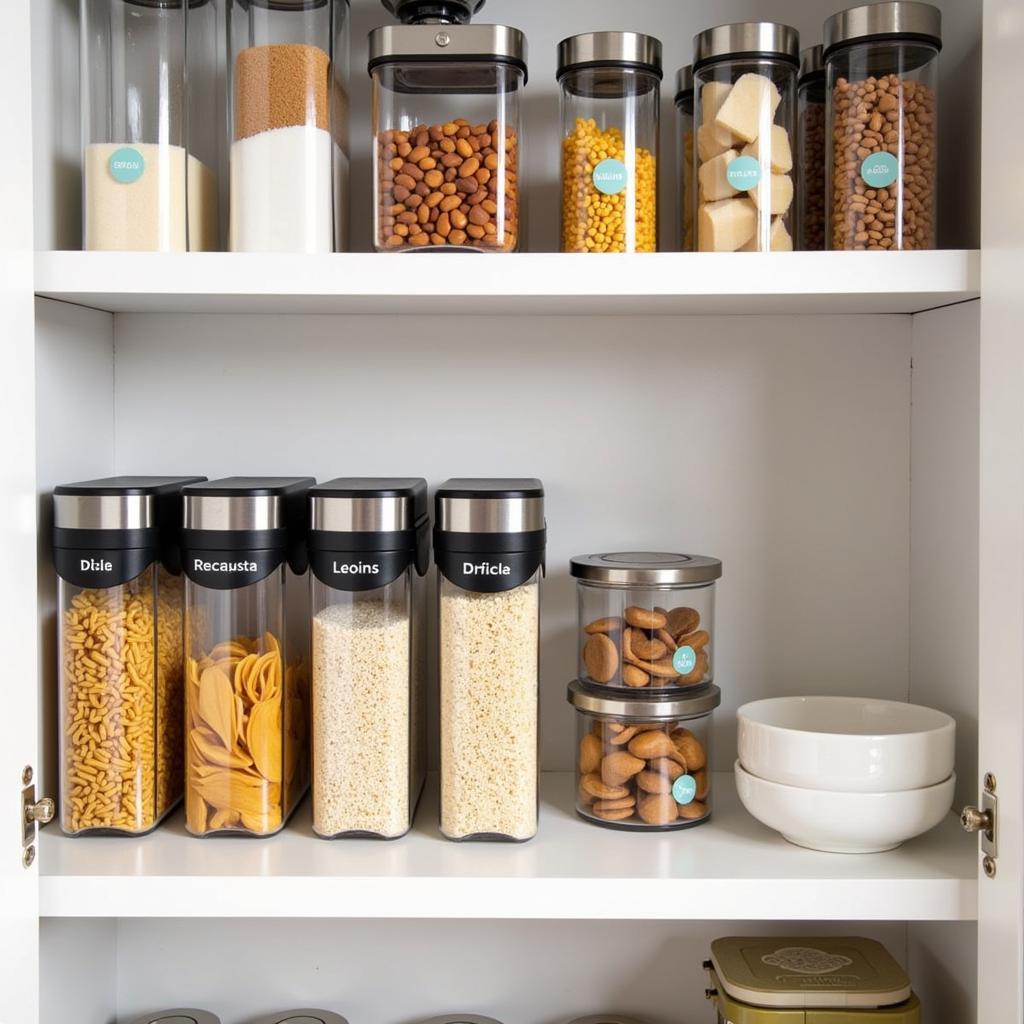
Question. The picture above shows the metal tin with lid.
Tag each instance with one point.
(185, 1016)
(302, 1017)
(646, 618)
(643, 760)
(609, 50)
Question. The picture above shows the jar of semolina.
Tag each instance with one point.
(115, 549)
(610, 103)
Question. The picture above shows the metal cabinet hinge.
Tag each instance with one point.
(985, 820)
(33, 813)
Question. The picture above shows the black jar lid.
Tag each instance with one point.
(684, 85)
(437, 12)
(766, 40)
(901, 19)
(609, 50)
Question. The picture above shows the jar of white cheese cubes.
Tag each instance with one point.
(745, 78)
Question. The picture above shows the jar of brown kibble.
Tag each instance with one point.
(812, 151)
(882, 77)
(446, 123)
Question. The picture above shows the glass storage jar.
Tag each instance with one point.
(810, 980)
(687, 139)
(149, 125)
(610, 84)
(447, 132)
(288, 99)
(489, 545)
(115, 550)
(646, 618)
(643, 761)
(745, 105)
(812, 152)
(369, 550)
(882, 68)
(246, 653)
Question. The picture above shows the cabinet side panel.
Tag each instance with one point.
(78, 971)
(941, 961)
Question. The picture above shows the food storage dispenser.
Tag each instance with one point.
(247, 652)
(687, 201)
(288, 98)
(646, 619)
(489, 545)
(643, 760)
(446, 123)
(115, 549)
(882, 68)
(179, 1017)
(812, 152)
(745, 87)
(369, 550)
(803, 980)
(149, 124)
(610, 84)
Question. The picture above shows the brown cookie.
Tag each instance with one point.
(615, 805)
(612, 624)
(619, 767)
(645, 648)
(619, 815)
(698, 640)
(635, 677)
(703, 785)
(699, 673)
(667, 767)
(593, 785)
(601, 658)
(658, 809)
(654, 782)
(651, 745)
(692, 811)
(662, 669)
(624, 735)
(590, 754)
(584, 797)
(645, 618)
(683, 620)
(666, 638)
(692, 751)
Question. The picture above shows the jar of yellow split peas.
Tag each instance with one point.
(610, 84)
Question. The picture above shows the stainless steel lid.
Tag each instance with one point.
(684, 82)
(114, 503)
(812, 61)
(878, 21)
(179, 1017)
(747, 38)
(602, 49)
(484, 505)
(645, 569)
(492, 43)
(368, 504)
(242, 504)
(667, 704)
(302, 1017)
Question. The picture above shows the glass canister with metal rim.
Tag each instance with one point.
(687, 139)
(643, 760)
(745, 106)
(611, 101)
(812, 152)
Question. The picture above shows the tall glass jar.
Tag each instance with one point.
(119, 637)
(149, 125)
(446, 130)
(610, 84)
(812, 149)
(289, 125)
(685, 149)
(489, 545)
(369, 550)
(246, 653)
(882, 69)
(745, 87)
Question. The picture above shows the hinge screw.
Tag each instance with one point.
(26, 775)
(29, 856)
(990, 783)
(442, 39)
(988, 865)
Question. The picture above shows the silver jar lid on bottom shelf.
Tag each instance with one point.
(645, 569)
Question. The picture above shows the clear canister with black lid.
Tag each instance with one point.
(246, 653)
(685, 148)
(369, 551)
(489, 545)
(812, 152)
(611, 99)
(447, 137)
(882, 67)
(745, 78)
(643, 760)
(119, 641)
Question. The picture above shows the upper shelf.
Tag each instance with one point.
(525, 283)
(730, 869)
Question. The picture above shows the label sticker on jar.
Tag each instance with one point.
(744, 173)
(880, 170)
(610, 176)
(684, 789)
(126, 165)
(684, 661)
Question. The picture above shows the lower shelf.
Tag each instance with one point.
(730, 869)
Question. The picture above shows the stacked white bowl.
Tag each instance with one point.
(845, 774)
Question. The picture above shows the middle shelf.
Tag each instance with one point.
(731, 869)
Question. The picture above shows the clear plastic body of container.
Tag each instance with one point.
(489, 547)
(149, 125)
(687, 139)
(812, 152)
(643, 763)
(610, 87)
(646, 619)
(288, 97)
(882, 82)
(745, 79)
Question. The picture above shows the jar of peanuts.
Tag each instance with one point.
(446, 124)
(881, 63)
(684, 107)
(812, 152)
(610, 102)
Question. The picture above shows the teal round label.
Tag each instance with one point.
(684, 661)
(126, 165)
(880, 170)
(684, 789)
(744, 173)
(610, 176)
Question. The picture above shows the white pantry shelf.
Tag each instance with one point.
(729, 869)
(523, 283)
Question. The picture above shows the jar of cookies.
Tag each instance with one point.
(643, 760)
(646, 619)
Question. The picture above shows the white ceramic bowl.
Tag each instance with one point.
(844, 822)
(846, 744)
